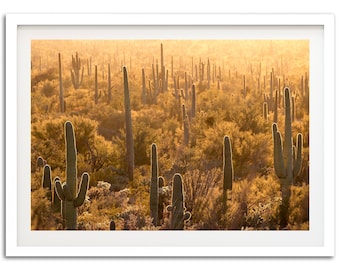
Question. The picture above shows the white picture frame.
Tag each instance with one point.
(318, 241)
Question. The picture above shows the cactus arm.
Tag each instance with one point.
(59, 189)
(186, 216)
(84, 184)
(46, 179)
(298, 159)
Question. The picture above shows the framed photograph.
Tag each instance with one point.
(162, 135)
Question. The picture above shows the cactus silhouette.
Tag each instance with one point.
(154, 185)
(77, 78)
(61, 92)
(193, 101)
(67, 192)
(177, 209)
(228, 171)
(130, 159)
(47, 181)
(287, 158)
(109, 90)
(40, 163)
(112, 226)
(265, 110)
(95, 85)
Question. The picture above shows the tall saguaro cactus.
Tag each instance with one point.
(154, 185)
(61, 92)
(128, 126)
(95, 85)
(177, 208)
(47, 181)
(287, 158)
(228, 171)
(67, 192)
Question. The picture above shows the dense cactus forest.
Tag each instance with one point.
(169, 135)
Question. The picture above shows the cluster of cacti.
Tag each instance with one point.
(192, 123)
(287, 158)
(76, 76)
(160, 81)
(67, 192)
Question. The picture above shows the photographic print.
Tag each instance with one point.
(157, 135)
(161, 134)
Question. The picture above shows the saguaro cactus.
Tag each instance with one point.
(228, 171)
(143, 87)
(47, 181)
(178, 211)
(67, 193)
(128, 127)
(61, 92)
(77, 79)
(154, 185)
(265, 110)
(109, 89)
(95, 85)
(40, 163)
(193, 101)
(287, 158)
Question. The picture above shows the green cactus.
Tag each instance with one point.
(95, 85)
(61, 92)
(40, 163)
(265, 110)
(128, 127)
(56, 202)
(287, 158)
(185, 119)
(67, 192)
(112, 225)
(77, 79)
(228, 171)
(109, 89)
(47, 181)
(143, 88)
(177, 209)
(275, 106)
(193, 101)
(154, 185)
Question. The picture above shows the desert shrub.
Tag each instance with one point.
(42, 215)
(48, 75)
(201, 191)
(299, 205)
